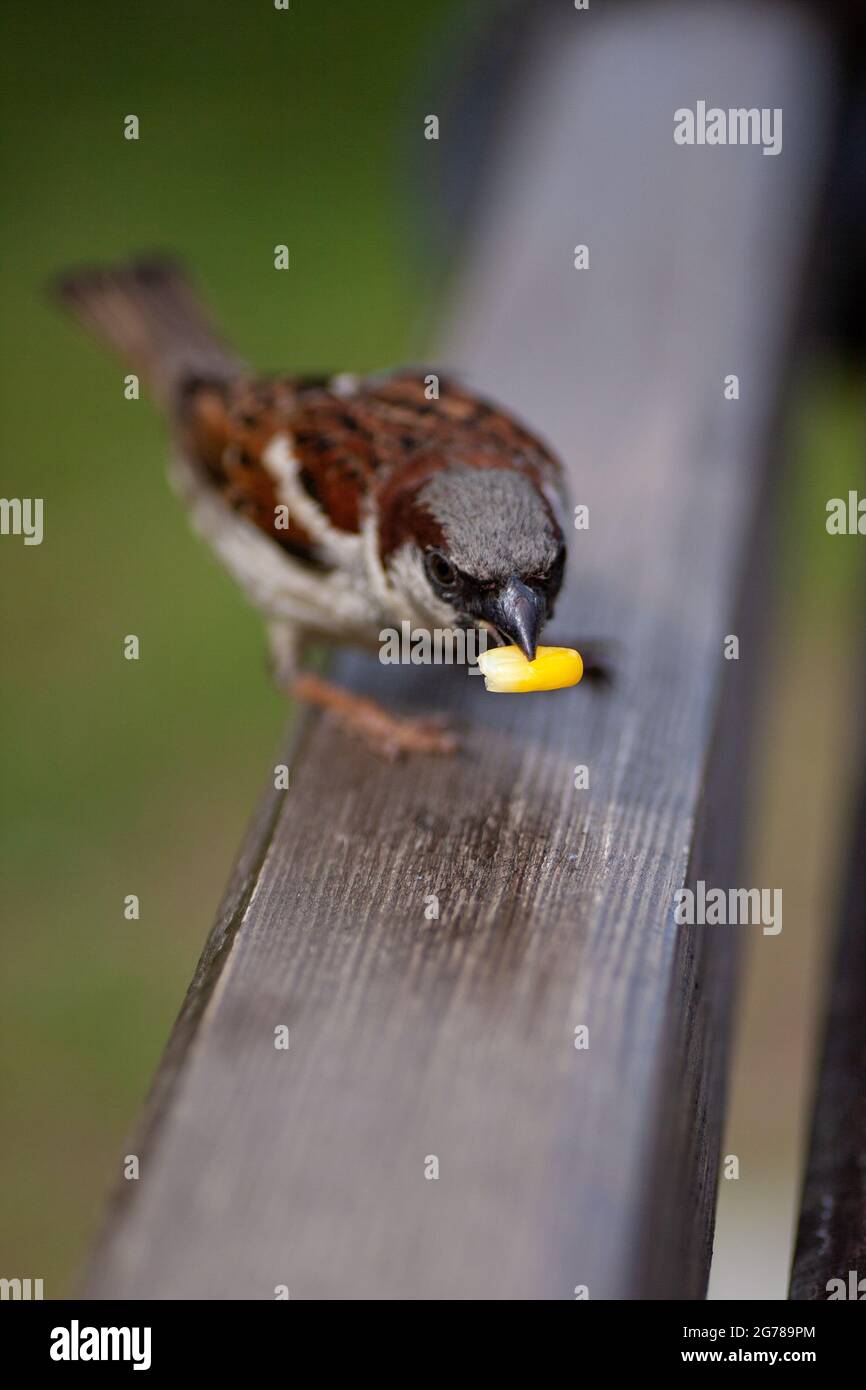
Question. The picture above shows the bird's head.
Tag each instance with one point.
(474, 546)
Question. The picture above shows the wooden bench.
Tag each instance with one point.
(414, 1037)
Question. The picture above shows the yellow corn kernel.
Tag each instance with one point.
(506, 669)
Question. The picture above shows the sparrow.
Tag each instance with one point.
(344, 504)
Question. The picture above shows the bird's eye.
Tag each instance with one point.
(441, 570)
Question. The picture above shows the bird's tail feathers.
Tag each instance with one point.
(148, 313)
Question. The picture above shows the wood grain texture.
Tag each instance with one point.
(455, 1037)
(831, 1239)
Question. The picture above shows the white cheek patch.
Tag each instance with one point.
(411, 590)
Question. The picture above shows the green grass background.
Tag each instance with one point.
(257, 127)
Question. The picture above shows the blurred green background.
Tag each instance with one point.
(258, 127)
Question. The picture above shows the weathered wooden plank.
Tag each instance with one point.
(831, 1239)
(455, 1037)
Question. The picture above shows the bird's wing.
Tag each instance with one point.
(284, 454)
(323, 447)
(443, 411)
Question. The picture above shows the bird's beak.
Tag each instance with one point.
(518, 613)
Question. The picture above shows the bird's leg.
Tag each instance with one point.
(387, 734)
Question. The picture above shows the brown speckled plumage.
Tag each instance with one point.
(382, 442)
